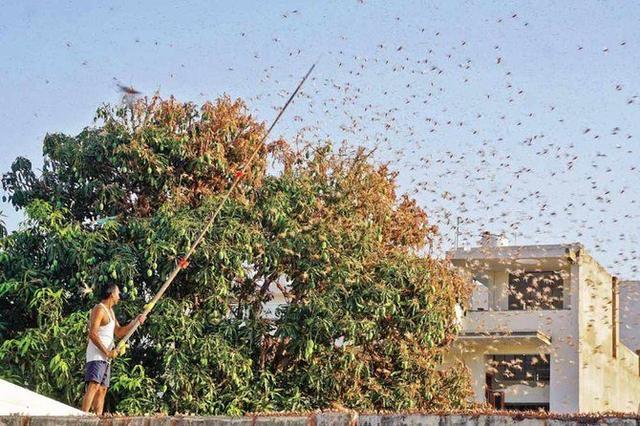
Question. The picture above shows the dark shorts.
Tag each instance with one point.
(99, 372)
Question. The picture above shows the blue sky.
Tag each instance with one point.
(526, 80)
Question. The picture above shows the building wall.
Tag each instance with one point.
(564, 392)
(630, 314)
(474, 360)
(609, 379)
(344, 418)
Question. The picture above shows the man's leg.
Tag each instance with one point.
(104, 385)
(89, 395)
(99, 400)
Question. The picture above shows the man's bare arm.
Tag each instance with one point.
(122, 331)
(94, 324)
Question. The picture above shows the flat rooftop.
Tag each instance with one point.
(536, 251)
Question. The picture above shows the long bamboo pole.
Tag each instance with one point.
(183, 262)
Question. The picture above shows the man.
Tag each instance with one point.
(101, 347)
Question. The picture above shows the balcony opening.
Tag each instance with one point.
(527, 407)
(536, 290)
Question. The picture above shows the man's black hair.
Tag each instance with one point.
(107, 289)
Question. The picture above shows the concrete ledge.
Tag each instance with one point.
(333, 419)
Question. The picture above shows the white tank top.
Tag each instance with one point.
(105, 334)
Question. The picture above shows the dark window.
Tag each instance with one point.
(536, 290)
(527, 407)
(508, 369)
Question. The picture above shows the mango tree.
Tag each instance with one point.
(364, 319)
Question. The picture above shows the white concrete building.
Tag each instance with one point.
(543, 330)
